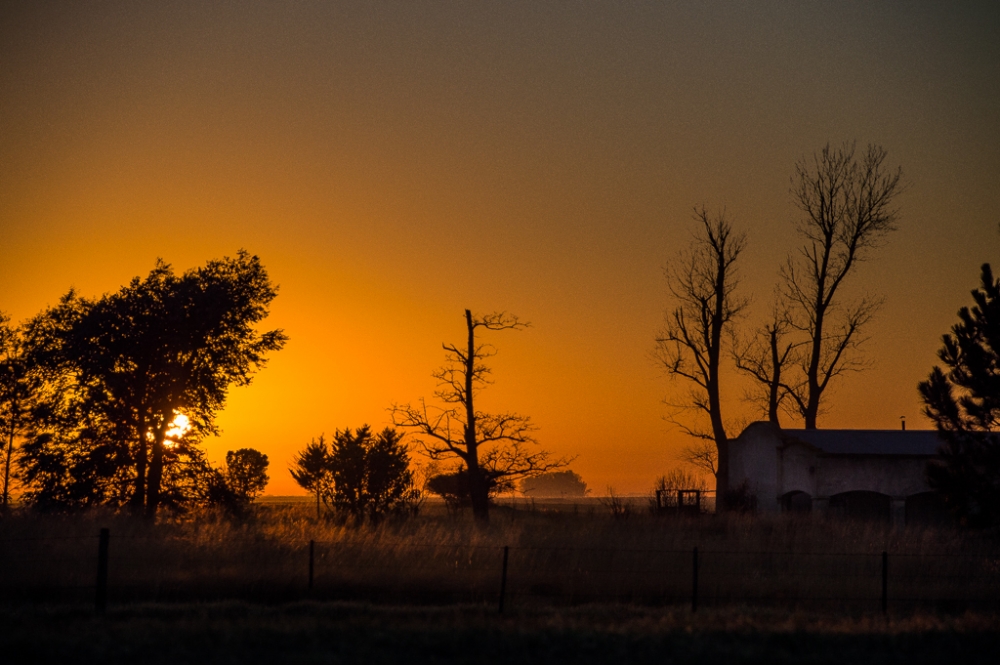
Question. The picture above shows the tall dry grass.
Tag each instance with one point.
(553, 556)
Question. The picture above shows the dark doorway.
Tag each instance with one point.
(862, 505)
(796, 502)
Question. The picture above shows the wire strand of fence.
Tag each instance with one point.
(234, 567)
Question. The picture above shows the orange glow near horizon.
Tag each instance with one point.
(394, 167)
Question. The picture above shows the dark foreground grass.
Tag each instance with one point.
(310, 632)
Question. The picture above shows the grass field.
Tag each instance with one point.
(581, 586)
(555, 557)
(311, 632)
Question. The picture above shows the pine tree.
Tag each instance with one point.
(964, 403)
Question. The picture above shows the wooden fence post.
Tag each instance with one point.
(885, 582)
(101, 595)
(694, 580)
(503, 577)
(312, 562)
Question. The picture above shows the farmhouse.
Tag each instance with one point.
(873, 474)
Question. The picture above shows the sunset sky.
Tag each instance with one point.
(394, 163)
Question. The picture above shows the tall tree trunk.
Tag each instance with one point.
(155, 474)
(712, 385)
(819, 312)
(479, 491)
(812, 375)
(141, 464)
(6, 464)
(774, 388)
(722, 451)
(138, 502)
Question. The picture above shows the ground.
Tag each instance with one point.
(308, 632)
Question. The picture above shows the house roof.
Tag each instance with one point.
(868, 441)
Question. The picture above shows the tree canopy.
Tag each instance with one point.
(555, 484)
(15, 394)
(246, 473)
(359, 473)
(311, 470)
(121, 370)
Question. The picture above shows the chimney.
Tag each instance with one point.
(902, 420)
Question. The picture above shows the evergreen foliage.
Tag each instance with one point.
(963, 400)
(311, 470)
(360, 474)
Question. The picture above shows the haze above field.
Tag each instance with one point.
(395, 163)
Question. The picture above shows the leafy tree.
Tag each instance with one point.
(964, 402)
(491, 447)
(389, 481)
(15, 390)
(554, 483)
(119, 369)
(311, 470)
(73, 456)
(704, 283)
(371, 474)
(246, 473)
(453, 487)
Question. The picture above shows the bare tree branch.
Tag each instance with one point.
(764, 356)
(492, 447)
(848, 206)
(702, 455)
(703, 281)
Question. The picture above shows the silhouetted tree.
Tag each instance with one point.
(246, 473)
(453, 487)
(554, 483)
(765, 355)
(848, 203)
(491, 447)
(389, 481)
(15, 390)
(120, 368)
(311, 470)
(964, 403)
(703, 281)
(371, 475)
(72, 456)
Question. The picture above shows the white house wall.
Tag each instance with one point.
(773, 464)
(897, 477)
(753, 458)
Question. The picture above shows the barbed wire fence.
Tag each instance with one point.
(103, 570)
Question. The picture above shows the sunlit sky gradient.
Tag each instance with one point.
(395, 163)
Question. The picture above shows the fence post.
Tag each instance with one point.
(503, 577)
(101, 595)
(885, 582)
(312, 562)
(694, 580)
